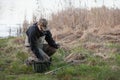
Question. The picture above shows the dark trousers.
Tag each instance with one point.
(46, 49)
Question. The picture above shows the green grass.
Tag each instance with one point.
(86, 72)
(13, 55)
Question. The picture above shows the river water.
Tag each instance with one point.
(9, 30)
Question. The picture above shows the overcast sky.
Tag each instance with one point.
(13, 11)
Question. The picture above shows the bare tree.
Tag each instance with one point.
(40, 10)
(34, 19)
(25, 25)
(9, 31)
(19, 30)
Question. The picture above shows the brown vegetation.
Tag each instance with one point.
(97, 24)
(94, 28)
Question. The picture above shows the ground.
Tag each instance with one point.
(102, 62)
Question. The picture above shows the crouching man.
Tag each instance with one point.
(37, 34)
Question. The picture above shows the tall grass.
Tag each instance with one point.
(76, 19)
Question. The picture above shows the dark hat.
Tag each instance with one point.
(43, 21)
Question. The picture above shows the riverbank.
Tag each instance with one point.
(97, 67)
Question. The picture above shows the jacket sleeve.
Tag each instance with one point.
(32, 40)
(50, 40)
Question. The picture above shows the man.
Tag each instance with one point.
(36, 34)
